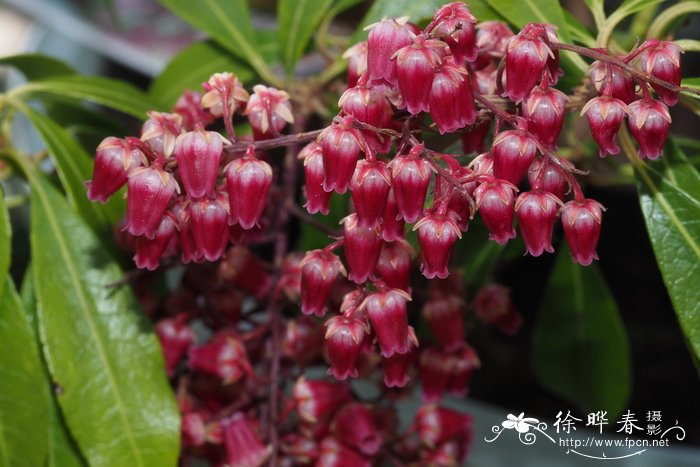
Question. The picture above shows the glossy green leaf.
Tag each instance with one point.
(228, 22)
(105, 91)
(579, 346)
(669, 193)
(24, 404)
(298, 19)
(61, 449)
(662, 24)
(99, 347)
(74, 168)
(5, 240)
(578, 31)
(191, 67)
(627, 8)
(37, 66)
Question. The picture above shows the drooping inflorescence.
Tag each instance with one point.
(203, 196)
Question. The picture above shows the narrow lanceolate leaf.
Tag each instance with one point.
(105, 91)
(669, 193)
(5, 240)
(74, 167)
(193, 66)
(626, 8)
(579, 347)
(24, 404)
(228, 22)
(61, 449)
(298, 19)
(37, 66)
(101, 352)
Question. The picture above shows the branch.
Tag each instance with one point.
(280, 141)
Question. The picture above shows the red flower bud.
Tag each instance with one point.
(290, 280)
(335, 454)
(150, 251)
(210, 226)
(370, 187)
(526, 58)
(473, 138)
(189, 107)
(150, 191)
(397, 366)
(537, 211)
(198, 155)
(545, 112)
(268, 111)
(243, 445)
(368, 104)
(243, 269)
(650, 123)
(181, 211)
(553, 180)
(384, 39)
(354, 426)
(317, 199)
(491, 41)
(605, 115)
(451, 100)
(340, 146)
(223, 356)
(463, 363)
(248, 182)
(394, 264)
(513, 152)
(160, 131)
(315, 399)
(410, 180)
(435, 367)
(392, 226)
(663, 60)
(357, 62)
(415, 69)
(319, 269)
(581, 221)
(495, 201)
(113, 160)
(363, 246)
(621, 82)
(454, 24)
(493, 305)
(344, 338)
(302, 340)
(175, 337)
(445, 316)
(225, 94)
(438, 424)
(437, 234)
(387, 313)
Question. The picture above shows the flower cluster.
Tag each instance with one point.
(212, 200)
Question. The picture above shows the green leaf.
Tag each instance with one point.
(627, 8)
(298, 19)
(664, 20)
(99, 347)
(74, 168)
(105, 91)
(228, 22)
(669, 193)
(578, 31)
(597, 8)
(5, 240)
(579, 346)
(37, 66)
(24, 404)
(191, 67)
(689, 45)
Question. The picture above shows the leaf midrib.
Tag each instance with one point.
(64, 253)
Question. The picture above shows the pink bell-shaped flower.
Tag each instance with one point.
(491, 41)
(149, 251)
(649, 123)
(545, 112)
(189, 107)
(527, 55)
(198, 155)
(354, 425)
(149, 192)
(435, 371)
(224, 95)
(415, 70)
(549, 177)
(368, 104)
(340, 145)
(605, 115)
(451, 100)
(243, 446)
(114, 159)
(493, 305)
(445, 316)
(370, 187)
(537, 212)
(245, 270)
(224, 356)
(248, 182)
(473, 138)
(387, 313)
(454, 24)
(621, 83)
(210, 226)
(384, 39)
(437, 234)
(363, 246)
(436, 424)
(268, 111)
(317, 199)
(392, 225)
(319, 269)
(513, 152)
(663, 60)
(160, 132)
(344, 339)
(316, 399)
(185, 235)
(397, 366)
(410, 179)
(495, 201)
(394, 264)
(175, 337)
(581, 221)
(357, 62)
